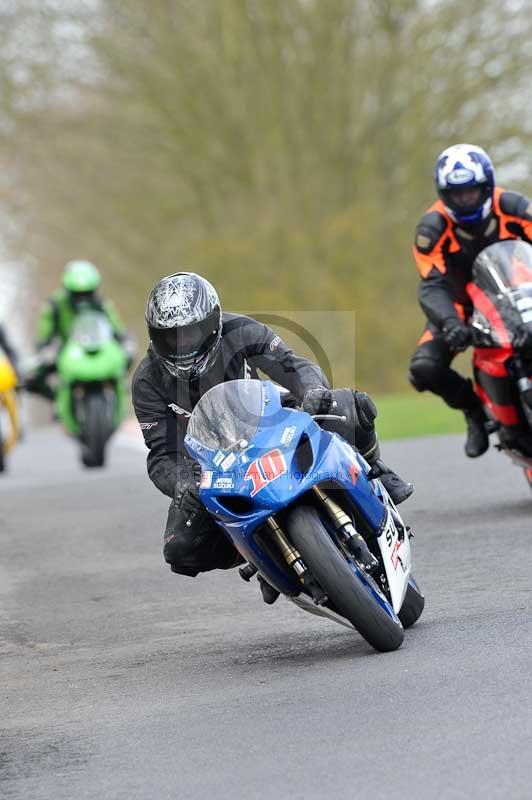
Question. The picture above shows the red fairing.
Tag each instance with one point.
(485, 306)
(492, 360)
(507, 415)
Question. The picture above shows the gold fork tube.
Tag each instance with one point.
(338, 516)
(288, 551)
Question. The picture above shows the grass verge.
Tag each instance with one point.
(403, 416)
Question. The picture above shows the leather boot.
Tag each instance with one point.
(398, 489)
(477, 439)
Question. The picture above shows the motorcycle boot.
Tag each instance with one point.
(398, 489)
(477, 439)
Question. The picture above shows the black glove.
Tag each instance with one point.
(457, 335)
(188, 502)
(318, 400)
(186, 494)
(522, 339)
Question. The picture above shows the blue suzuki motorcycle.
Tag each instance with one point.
(297, 504)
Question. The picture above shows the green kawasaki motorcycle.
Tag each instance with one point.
(92, 368)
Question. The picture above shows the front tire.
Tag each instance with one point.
(97, 429)
(413, 604)
(356, 598)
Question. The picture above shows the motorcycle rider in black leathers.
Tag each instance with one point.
(193, 347)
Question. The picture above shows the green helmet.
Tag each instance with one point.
(81, 276)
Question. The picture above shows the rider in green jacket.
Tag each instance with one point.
(79, 292)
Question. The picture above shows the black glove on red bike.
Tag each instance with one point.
(457, 335)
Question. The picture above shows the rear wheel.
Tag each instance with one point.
(355, 595)
(97, 428)
(413, 604)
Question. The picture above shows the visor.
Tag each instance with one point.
(81, 298)
(466, 201)
(185, 344)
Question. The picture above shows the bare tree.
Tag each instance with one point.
(282, 147)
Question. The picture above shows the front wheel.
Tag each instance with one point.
(97, 428)
(413, 604)
(355, 595)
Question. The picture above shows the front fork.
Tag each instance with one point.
(345, 530)
(294, 561)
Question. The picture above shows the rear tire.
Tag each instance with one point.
(349, 592)
(96, 430)
(413, 604)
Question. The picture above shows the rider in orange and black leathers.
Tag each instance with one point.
(471, 214)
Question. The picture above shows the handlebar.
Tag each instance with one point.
(329, 416)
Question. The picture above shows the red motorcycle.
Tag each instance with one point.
(501, 293)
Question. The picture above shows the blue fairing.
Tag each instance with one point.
(240, 502)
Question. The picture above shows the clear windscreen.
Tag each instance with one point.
(503, 274)
(228, 415)
(504, 267)
(92, 329)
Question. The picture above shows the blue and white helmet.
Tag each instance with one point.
(465, 181)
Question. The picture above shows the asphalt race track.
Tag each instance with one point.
(121, 680)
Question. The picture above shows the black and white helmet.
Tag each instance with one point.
(185, 323)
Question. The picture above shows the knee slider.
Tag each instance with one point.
(424, 373)
(177, 554)
(178, 540)
(172, 550)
